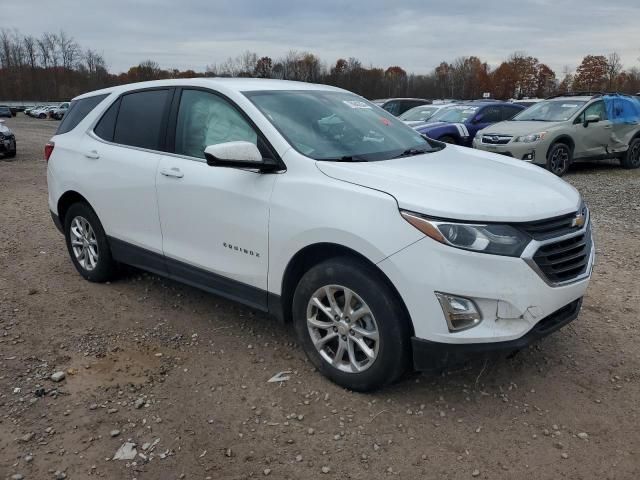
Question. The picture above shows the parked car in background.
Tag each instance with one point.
(562, 129)
(397, 106)
(43, 112)
(7, 141)
(30, 108)
(37, 111)
(467, 252)
(58, 112)
(458, 123)
(5, 111)
(419, 115)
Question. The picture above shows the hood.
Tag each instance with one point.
(429, 124)
(514, 127)
(414, 123)
(464, 184)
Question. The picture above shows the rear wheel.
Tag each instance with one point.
(87, 244)
(559, 159)
(351, 324)
(631, 158)
(11, 153)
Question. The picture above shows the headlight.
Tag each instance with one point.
(534, 137)
(486, 238)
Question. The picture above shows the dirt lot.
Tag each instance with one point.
(183, 374)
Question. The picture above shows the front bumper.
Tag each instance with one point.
(512, 294)
(434, 355)
(529, 152)
(7, 144)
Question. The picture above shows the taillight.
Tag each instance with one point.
(48, 150)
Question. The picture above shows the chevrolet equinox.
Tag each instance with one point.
(385, 250)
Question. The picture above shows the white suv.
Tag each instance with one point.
(384, 249)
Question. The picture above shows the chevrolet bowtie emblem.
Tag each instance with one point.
(579, 221)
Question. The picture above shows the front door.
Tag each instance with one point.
(592, 140)
(214, 219)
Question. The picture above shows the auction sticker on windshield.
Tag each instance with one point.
(355, 104)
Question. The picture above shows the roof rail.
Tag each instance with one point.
(585, 94)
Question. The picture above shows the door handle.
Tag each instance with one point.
(172, 172)
(93, 154)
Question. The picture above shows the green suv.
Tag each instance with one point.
(563, 129)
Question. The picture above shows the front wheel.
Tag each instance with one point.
(351, 324)
(87, 244)
(559, 159)
(631, 158)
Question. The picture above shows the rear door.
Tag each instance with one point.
(214, 219)
(124, 152)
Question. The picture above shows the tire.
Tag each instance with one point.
(559, 159)
(42, 116)
(11, 154)
(97, 266)
(448, 139)
(631, 158)
(389, 355)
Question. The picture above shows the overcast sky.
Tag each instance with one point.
(415, 34)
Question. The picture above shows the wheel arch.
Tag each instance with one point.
(67, 199)
(566, 139)
(313, 254)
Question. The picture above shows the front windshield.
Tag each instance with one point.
(550, 111)
(454, 114)
(418, 114)
(339, 126)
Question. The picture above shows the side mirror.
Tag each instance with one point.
(591, 119)
(239, 154)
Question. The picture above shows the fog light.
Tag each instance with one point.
(461, 313)
(529, 157)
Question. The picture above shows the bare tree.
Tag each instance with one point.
(613, 69)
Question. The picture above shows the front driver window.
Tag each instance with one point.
(206, 119)
(596, 108)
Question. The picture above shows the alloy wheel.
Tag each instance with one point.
(343, 328)
(560, 160)
(84, 243)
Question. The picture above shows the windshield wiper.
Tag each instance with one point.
(410, 152)
(345, 158)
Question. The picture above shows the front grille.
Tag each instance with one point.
(564, 260)
(496, 139)
(554, 227)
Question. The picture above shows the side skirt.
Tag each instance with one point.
(182, 272)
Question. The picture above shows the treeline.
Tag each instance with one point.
(55, 67)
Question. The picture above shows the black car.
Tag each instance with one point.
(397, 106)
(5, 111)
(7, 141)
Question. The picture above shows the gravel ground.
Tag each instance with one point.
(181, 376)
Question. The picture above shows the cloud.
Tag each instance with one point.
(414, 34)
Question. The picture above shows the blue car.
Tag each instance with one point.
(459, 123)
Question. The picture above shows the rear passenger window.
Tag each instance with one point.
(491, 115)
(140, 119)
(78, 110)
(206, 119)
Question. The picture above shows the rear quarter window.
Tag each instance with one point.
(78, 110)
